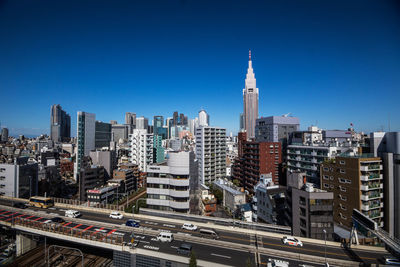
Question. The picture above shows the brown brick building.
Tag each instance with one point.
(256, 158)
(356, 182)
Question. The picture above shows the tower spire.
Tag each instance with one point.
(249, 55)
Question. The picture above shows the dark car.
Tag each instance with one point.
(58, 220)
(132, 223)
(184, 249)
(19, 205)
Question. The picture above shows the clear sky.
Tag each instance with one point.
(329, 63)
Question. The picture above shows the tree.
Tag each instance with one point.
(236, 182)
(192, 261)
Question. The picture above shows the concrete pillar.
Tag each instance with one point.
(24, 243)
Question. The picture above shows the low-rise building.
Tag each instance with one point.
(269, 202)
(311, 208)
(101, 195)
(90, 177)
(232, 195)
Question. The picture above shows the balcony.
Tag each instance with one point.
(365, 207)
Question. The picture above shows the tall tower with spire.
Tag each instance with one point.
(250, 101)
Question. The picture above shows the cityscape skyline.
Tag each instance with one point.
(325, 67)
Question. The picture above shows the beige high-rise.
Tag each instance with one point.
(250, 101)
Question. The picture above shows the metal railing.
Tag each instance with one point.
(56, 228)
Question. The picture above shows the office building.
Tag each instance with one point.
(90, 177)
(250, 101)
(101, 195)
(168, 183)
(130, 119)
(357, 183)
(158, 123)
(158, 149)
(120, 132)
(102, 136)
(204, 118)
(60, 124)
(85, 138)
(141, 148)
(276, 128)
(311, 208)
(107, 159)
(142, 123)
(4, 135)
(387, 146)
(211, 153)
(19, 179)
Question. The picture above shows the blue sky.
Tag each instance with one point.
(327, 62)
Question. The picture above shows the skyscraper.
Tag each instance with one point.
(85, 137)
(60, 124)
(130, 118)
(250, 101)
(204, 118)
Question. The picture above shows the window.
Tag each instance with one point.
(326, 177)
(341, 180)
(326, 169)
(342, 171)
(342, 162)
(331, 186)
(342, 216)
(326, 185)
(343, 189)
(344, 198)
(342, 207)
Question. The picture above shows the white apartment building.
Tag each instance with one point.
(141, 148)
(308, 156)
(168, 182)
(211, 153)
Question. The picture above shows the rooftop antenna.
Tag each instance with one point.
(388, 121)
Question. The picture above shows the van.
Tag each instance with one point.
(208, 233)
(184, 249)
(72, 213)
(165, 237)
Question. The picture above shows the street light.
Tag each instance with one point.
(326, 263)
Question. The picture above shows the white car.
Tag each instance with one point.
(290, 240)
(189, 226)
(116, 215)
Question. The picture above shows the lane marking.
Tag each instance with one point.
(87, 228)
(97, 230)
(37, 218)
(112, 231)
(76, 226)
(218, 255)
(67, 224)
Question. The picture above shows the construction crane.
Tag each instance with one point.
(286, 115)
